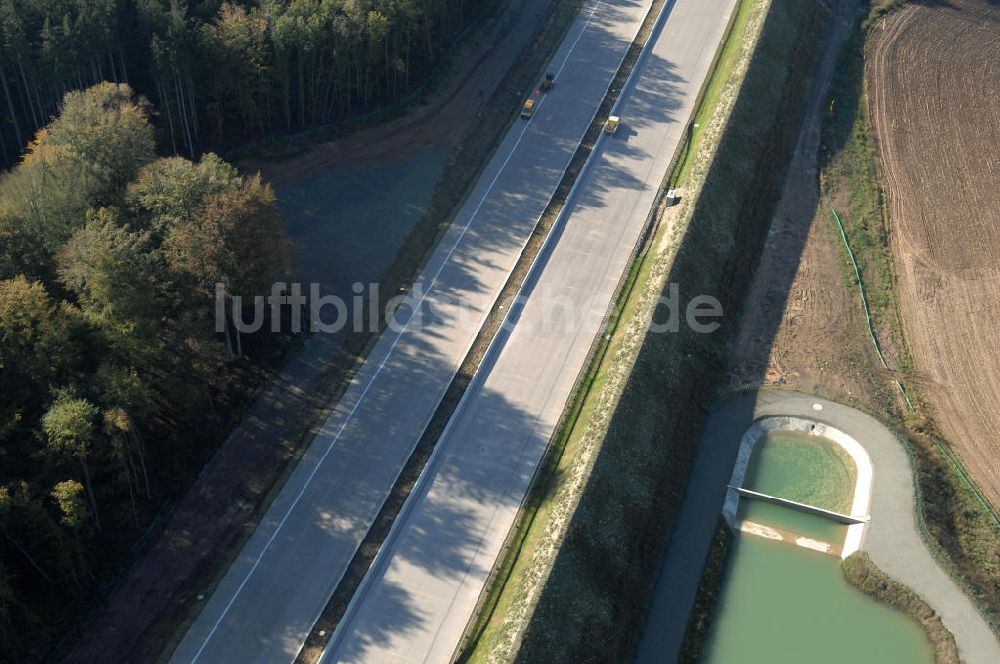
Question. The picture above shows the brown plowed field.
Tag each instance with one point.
(933, 77)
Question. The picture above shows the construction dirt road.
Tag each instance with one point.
(933, 75)
(798, 300)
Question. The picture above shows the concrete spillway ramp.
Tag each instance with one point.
(892, 538)
(756, 432)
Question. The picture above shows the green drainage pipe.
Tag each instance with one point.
(955, 463)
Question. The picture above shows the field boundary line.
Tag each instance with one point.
(952, 460)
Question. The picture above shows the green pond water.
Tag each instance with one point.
(803, 468)
(784, 604)
(781, 603)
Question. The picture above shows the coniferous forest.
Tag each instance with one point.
(221, 73)
(116, 222)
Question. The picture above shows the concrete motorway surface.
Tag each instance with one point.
(414, 604)
(892, 538)
(268, 600)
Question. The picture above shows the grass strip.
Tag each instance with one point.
(707, 599)
(566, 443)
(633, 457)
(599, 586)
(864, 303)
(726, 60)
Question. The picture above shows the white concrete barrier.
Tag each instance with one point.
(862, 485)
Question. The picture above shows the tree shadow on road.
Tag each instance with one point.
(654, 103)
(603, 576)
(468, 490)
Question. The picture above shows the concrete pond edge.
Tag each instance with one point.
(862, 461)
(892, 538)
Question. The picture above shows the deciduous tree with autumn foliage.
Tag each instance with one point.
(113, 377)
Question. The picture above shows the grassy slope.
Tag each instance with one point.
(962, 533)
(869, 579)
(850, 181)
(599, 585)
(726, 63)
(545, 509)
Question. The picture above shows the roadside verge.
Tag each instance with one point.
(580, 565)
(487, 333)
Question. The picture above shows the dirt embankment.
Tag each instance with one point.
(861, 572)
(803, 325)
(933, 77)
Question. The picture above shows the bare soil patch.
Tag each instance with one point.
(933, 77)
(802, 328)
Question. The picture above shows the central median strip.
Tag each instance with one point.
(366, 553)
(420, 579)
(578, 570)
(601, 233)
(407, 394)
(478, 644)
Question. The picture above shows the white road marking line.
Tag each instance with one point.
(381, 365)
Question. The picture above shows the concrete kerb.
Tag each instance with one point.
(422, 484)
(893, 541)
(862, 485)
